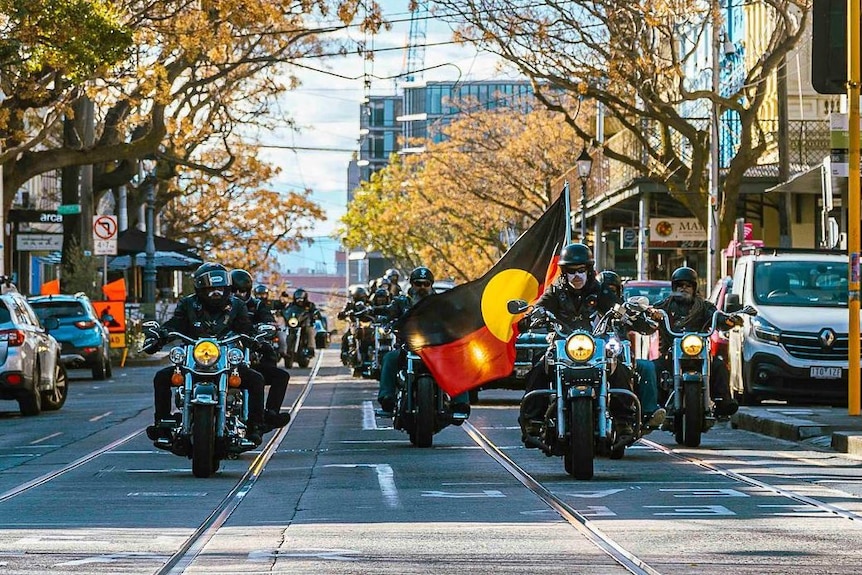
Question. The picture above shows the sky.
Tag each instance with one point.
(327, 106)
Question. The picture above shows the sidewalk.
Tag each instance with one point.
(804, 423)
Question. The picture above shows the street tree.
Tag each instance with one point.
(642, 63)
(460, 204)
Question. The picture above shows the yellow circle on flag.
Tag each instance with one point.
(506, 285)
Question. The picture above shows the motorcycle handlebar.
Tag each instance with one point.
(666, 320)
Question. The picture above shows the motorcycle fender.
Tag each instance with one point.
(582, 391)
(204, 394)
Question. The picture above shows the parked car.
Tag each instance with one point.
(84, 338)
(795, 348)
(643, 346)
(30, 369)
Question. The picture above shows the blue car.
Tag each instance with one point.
(84, 338)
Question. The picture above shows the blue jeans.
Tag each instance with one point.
(389, 379)
(647, 385)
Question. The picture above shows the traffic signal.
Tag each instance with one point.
(829, 46)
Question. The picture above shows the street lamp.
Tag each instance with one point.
(150, 246)
(585, 165)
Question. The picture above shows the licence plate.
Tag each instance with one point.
(826, 372)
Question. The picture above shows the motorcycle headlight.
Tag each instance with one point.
(580, 347)
(692, 345)
(235, 356)
(614, 347)
(206, 353)
(177, 355)
(292, 322)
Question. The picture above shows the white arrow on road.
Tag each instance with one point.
(595, 494)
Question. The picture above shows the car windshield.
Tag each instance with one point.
(801, 283)
(58, 309)
(654, 293)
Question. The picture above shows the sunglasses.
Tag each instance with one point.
(686, 285)
(421, 284)
(575, 270)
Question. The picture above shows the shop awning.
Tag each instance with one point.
(811, 182)
(163, 260)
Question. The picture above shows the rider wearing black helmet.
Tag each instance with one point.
(265, 359)
(358, 300)
(574, 299)
(688, 311)
(394, 276)
(421, 286)
(210, 312)
(261, 292)
(308, 312)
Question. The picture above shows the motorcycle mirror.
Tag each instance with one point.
(731, 303)
(640, 301)
(266, 330)
(749, 310)
(150, 325)
(516, 306)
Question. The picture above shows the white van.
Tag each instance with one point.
(795, 348)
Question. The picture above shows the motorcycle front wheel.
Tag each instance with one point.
(689, 425)
(204, 462)
(426, 411)
(580, 454)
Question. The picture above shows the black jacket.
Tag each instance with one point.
(575, 309)
(696, 317)
(192, 319)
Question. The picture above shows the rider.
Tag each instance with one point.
(647, 382)
(267, 357)
(210, 312)
(358, 300)
(261, 292)
(574, 299)
(421, 280)
(394, 276)
(308, 312)
(688, 311)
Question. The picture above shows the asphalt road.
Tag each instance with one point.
(345, 493)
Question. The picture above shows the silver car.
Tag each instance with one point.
(30, 368)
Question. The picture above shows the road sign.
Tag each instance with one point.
(39, 242)
(69, 209)
(105, 235)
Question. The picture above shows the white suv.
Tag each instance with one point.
(795, 348)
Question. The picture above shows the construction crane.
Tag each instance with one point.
(414, 54)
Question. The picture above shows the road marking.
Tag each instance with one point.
(20, 455)
(98, 417)
(385, 478)
(490, 493)
(167, 494)
(798, 511)
(113, 558)
(597, 511)
(331, 554)
(46, 438)
(369, 421)
(694, 510)
(706, 492)
(595, 494)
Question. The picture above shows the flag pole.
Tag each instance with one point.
(568, 213)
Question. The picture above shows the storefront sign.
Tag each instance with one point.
(662, 230)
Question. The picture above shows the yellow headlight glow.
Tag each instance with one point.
(692, 345)
(206, 353)
(580, 347)
(293, 322)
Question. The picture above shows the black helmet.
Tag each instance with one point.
(241, 282)
(359, 293)
(575, 255)
(381, 297)
(421, 274)
(300, 296)
(392, 275)
(611, 278)
(683, 274)
(260, 291)
(212, 284)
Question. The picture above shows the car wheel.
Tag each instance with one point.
(99, 369)
(54, 399)
(31, 402)
(746, 396)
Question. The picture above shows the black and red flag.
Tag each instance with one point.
(466, 336)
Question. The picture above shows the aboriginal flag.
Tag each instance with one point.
(466, 336)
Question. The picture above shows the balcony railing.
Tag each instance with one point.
(809, 144)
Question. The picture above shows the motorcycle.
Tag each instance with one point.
(689, 407)
(384, 342)
(421, 407)
(296, 346)
(579, 423)
(357, 345)
(206, 388)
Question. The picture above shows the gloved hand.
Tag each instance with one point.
(151, 345)
(736, 320)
